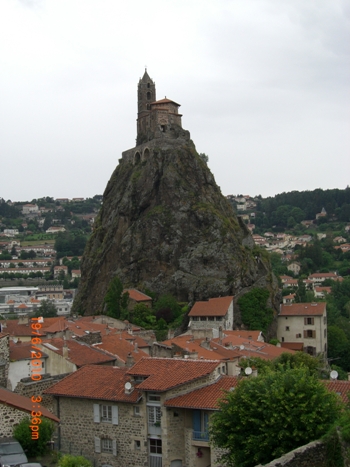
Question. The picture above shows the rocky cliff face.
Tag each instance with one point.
(164, 225)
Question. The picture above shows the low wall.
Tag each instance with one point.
(310, 455)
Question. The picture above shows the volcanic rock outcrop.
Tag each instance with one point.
(164, 224)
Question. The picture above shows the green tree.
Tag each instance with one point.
(23, 434)
(73, 461)
(47, 309)
(142, 316)
(300, 295)
(272, 414)
(255, 313)
(115, 300)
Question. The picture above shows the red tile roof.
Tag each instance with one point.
(21, 351)
(78, 353)
(340, 387)
(120, 347)
(303, 309)
(297, 346)
(15, 329)
(212, 307)
(96, 382)
(137, 295)
(165, 373)
(205, 398)
(22, 403)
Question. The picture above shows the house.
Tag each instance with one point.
(20, 355)
(214, 313)
(14, 407)
(321, 292)
(289, 298)
(117, 416)
(136, 297)
(294, 267)
(67, 355)
(57, 270)
(306, 324)
(30, 209)
(319, 277)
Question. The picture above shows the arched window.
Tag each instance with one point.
(137, 158)
(146, 154)
(148, 85)
(149, 95)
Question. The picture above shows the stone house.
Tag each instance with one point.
(119, 416)
(13, 408)
(214, 313)
(306, 324)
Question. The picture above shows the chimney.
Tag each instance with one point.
(220, 334)
(136, 347)
(65, 349)
(130, 361)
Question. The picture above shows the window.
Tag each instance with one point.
(308, 321)
(298, 336)
(154, 415)
(106, 413)
(152, 397)
(287, 328)
(309, 334)
(137, 411)
(155, 446)
(137, 444)
(106, 445)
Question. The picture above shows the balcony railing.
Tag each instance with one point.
(200, 435)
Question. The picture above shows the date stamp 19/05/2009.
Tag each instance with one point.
(35, 374)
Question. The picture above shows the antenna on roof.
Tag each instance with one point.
(334, 375)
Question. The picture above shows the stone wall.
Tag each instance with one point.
(310, 455)
(27, 387)
(78, 431)
(10, 417)
(4, 359)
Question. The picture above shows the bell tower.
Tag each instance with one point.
(146, 94)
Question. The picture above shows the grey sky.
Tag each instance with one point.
(263, 87)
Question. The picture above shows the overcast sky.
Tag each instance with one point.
(263, 87)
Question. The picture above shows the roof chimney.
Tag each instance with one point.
(65, 349)
(130, 361)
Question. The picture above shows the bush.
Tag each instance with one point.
(74, 461)
(23, 434)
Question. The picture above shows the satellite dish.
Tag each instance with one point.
(248, 371)
(241, 347)
(127, 386)
(334, 374)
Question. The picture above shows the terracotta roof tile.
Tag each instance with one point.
(22, 403)
(165, 373)
(96, 382)
(120, 347)
(21, 351)
(137, 295)
(78, 353)
(212, 307)
(303, 309)
(340, 387)
(205, 398)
